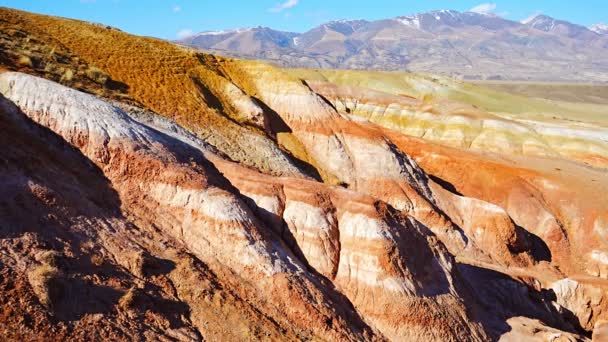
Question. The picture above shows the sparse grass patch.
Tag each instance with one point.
(45, 281)
(25, 62)
(46, 278)
(127, 301)
(49, 257)
(96, 75)
(68, 74)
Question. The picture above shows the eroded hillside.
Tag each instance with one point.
(151, 190)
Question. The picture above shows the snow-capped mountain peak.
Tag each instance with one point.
(547, 24)
(221, 32)
(540, 22)
(600, 28)
(344, 26)
(430, 21)
(530, 19)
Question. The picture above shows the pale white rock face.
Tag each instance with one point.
(581, 299)
(271, 209)
(96, 127)
(69, 113)
(377, 159)
(331, 151)
(355, 160)
(307, 219)
(213, 203)
(293, 100)
(597, 263)
(372, 281)
(373, 158)
(245, 106)
(315, 230)
(364, 270)
(539, 220)
(486, 225)
(360, 226)
(305, 107)
(599, 256)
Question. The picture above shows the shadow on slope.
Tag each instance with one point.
(502, 298)
(56, 210)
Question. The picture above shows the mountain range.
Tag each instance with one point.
(460, 44)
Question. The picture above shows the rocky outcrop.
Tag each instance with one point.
(74, 267)
(357, 156)
(253, 206)
(488, 227)
(192, 203)
(583, 298)
(533, 197)
(359, 244)
(364, 158)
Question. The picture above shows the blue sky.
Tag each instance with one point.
(169, 18)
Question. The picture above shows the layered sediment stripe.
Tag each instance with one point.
(316, 233)
(358, 155)
(381, 262)
(462, 126)
(170, 186)
(547, 197)
(99, 129)
(387, 258)
(488, 226)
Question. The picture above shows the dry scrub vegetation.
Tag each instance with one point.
(38, 53)
(165, 78)
(177, 82)
(45, 278)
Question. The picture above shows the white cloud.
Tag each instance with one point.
(176, 8)
(185, 33)
(485, 8)
(283, 6)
